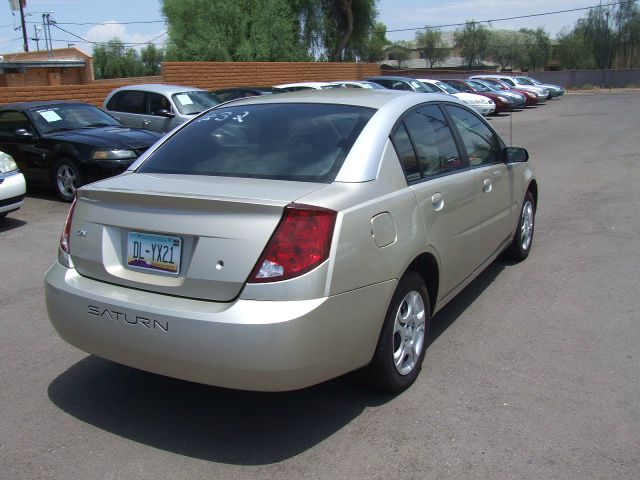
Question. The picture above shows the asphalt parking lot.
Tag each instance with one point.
(532, 372)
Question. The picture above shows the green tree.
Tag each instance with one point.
(113, 60)
(151, 58)
(399, 51)
(231, 30)
(506, 48)
(573, 51)
(473, 41)
(537, 48)
(434, 49)
(336, 30)
(373, 50)
(626, 19)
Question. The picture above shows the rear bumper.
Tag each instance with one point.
(246, 344)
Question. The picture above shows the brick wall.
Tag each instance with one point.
(212, 75)
(208, 75)
(94, 94)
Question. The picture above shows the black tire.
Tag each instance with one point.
(522, 240)
(384, 372)
(66, 178)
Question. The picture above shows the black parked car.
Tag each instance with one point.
(67, 144)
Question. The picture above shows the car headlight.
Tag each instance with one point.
(7, 163)
(504, 99)
(113, 154)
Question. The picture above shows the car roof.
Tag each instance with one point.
(304, 84)
(253, 88)
(389, 77)
(159, 88)
(21, 106)
(371, 98)
(433, 81)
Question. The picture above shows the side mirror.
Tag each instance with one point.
(23, 132)
(163, 112)
(516, 154)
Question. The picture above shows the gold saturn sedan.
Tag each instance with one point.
(275, 242)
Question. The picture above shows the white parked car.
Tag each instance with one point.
(295, 87)
(12, 185)
(357, 84)
(483, 105)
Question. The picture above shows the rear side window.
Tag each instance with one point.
(406, 154)
(302, 142)
(425, 145)
(129, 101)
(433, 140)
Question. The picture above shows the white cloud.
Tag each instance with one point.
(110, 29)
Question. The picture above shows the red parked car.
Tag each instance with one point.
(503, 104)
(531, 98)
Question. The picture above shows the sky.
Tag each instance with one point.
(104, 19)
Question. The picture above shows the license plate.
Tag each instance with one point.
(158, 253)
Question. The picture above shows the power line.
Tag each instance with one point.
(512, 18)
(108, 23)
(98, 43)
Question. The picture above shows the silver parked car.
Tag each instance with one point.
(157, 107)
(279, 241)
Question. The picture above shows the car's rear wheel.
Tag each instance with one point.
(66, 179)
(523, 238)
(401, 347)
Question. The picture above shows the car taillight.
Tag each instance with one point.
(300, 243)
(66, 231)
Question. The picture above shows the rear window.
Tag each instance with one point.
(302, 142)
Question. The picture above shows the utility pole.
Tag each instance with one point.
(25, 40)
(36, 38)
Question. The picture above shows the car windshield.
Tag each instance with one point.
(535, 82)
(495, 83)
(372, 85)
(422, 87)
(57, 118)
(460, 86)
(191, 103)
(299, 141)
(447, 88)
(479, 86)
(525, 81)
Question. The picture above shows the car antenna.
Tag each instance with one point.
(511, 128)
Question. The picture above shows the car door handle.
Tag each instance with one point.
(146, 122)
(487, 185)
(437, 200)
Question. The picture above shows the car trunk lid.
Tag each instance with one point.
(183, 235)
